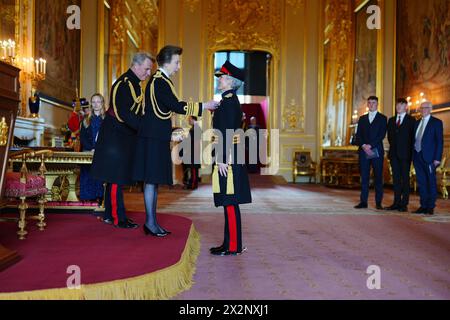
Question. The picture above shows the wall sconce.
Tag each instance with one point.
(355, 117)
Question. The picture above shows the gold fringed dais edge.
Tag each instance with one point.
(159, 285)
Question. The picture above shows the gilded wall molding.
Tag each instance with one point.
(244, 25)
(192, 5)
(134, 20)
(293, 118)
(295, 5)
(337, 82)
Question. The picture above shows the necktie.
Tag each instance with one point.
(398, 121)
(418, 143)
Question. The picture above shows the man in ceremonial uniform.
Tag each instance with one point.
(115, 148)
(74, 123)
(153, 162)
(231, 186)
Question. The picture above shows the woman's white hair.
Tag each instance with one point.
(235, 83)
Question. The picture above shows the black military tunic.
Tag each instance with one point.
(115, 148)
(153, 162)
(229, 116)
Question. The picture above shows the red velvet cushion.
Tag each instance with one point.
(34, 186)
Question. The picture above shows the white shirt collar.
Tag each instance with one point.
(374, 113)
(165, 72)
(402, 115)
(427, 118)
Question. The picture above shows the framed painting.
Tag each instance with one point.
(61, 48)
(365, 58)
(423, 53)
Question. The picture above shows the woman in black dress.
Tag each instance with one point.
(153, 163)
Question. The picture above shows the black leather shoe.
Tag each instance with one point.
(127, 225)
(361, 205)
(228, 252)
(420, 210)
(393, 207)
(220, 248)
(379, 206)
(403, 209)
(147, 232)
(165, 231)
(430, 212)
(108, 220)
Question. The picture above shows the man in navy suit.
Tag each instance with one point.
(369, 137)
(427, 155)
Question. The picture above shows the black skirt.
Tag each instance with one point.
(153, 161)
(114, 152)
(242, 193)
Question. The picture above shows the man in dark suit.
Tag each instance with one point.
(115, 148)
(427, 155)
(369, 137)
(400, 132)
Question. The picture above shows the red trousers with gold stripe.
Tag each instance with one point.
(233, 232)
(114, 205)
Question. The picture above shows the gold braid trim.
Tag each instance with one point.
(192, 109)
(138, 101)
(114, 101)
(158, 112)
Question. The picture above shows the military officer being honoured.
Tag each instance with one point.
(115, 149)
(230, 179)
(153, 163)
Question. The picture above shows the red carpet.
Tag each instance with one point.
(103, 253)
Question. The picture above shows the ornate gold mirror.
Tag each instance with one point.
(7, 19)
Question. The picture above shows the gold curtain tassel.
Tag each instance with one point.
(230, 182)
(215, 180)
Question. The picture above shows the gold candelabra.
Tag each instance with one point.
(8, 51)
(415, 102)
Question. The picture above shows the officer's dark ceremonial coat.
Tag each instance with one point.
(153, 162)
(115, 148)
(235, 188)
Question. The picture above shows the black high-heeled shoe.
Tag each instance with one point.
(147, 232)
(164, 230)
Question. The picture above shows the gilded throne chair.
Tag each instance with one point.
(303, 165)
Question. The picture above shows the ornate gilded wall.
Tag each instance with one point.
(287, 29)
